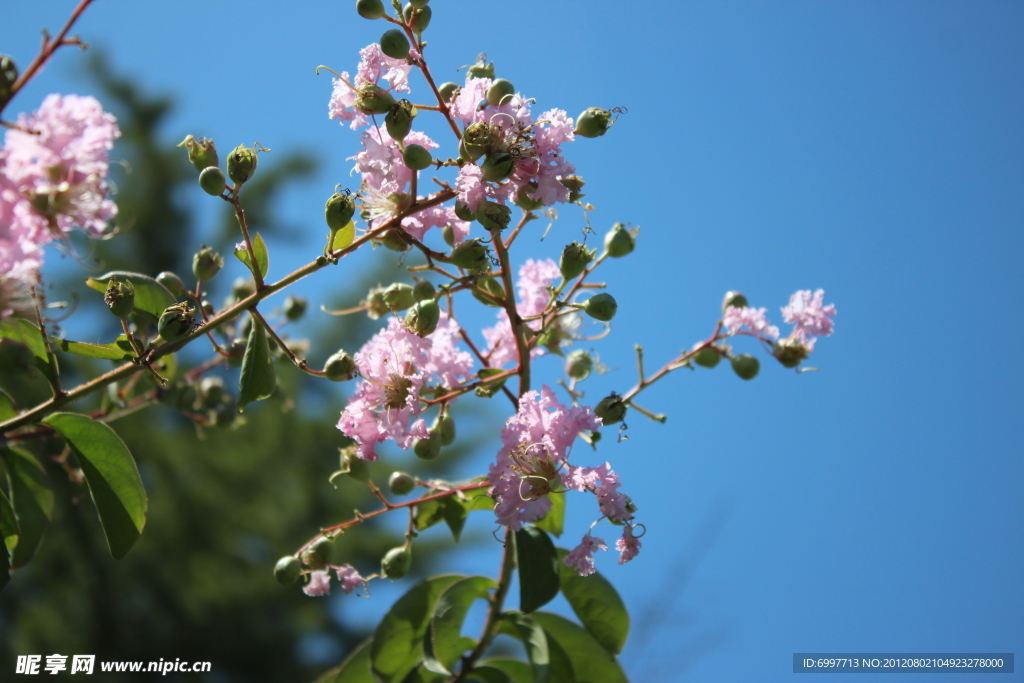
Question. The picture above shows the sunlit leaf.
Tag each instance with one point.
(597, 604)
(538, 568)
(102, 351)
(514, 671)
(524, 629)
(344, 237)
(554, 521)
(449, 614)
(151, 297)
(262, 257)
(8, 523)
(355, 668)
(31, 499)
(590, 660)
(257, 379)
(7, 407)
(25, 332)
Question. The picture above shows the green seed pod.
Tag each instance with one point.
(399, 296)
(416, 157)
(294, 307)
(370, 9)
(419, 4)
(340, 367)
(446, 427)
(619, 241)
(176, 322)
(401, 483)
(212, 391)
(498, 166)
(241, 164)
(611, 409)
(447, 90)
(8, 77)
(393, 240)
(423, 290)
(202, 152)
(734, 299)
(574, 184)
(476, 141)
(493, 216)
(374, 303)
(172, 283)
(338, 210)
(317, 555)
(746, 366)
(120, 298)
(482, 68)
(353, 465)
(789, 352)
(574, 260)
(396, 562)
(463, 213)
(524, 197)
(594, 122)
(707, 357)
(492, 287)
(236, 352)
(394, 44)
(398, 120)
(471, 254)
(499, 90)
(429, 448)
(420, 21)
(212, 181)
(206, 263)
(601, 307)
(287, 570)
(579, 364)
(372, 99)
(423, 317)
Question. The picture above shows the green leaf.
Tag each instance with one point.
(31, 499)
(449, 614)
(452, 509)
(5, 568)
(9, 531)
(554, 521)
(257, 379)
(524, 629)
(112, 476)
(343, 237)
(538, 568)
(25, 332)
(590, 661)
(429, 513)
(355, 668)
(488, 390)
(7, 407)
(151, 297)
(597, 604)
(489, 674)
(397, 647)
(514, 670)
(262, 258)
(103, 351)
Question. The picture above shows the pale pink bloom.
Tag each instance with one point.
(349, 577)
(319, 584)
(809, 317)
(752, 318)
(374, 67)
(532, 286)
(464, 108)
(628, 546)
(471, 188)
(604, 483)
(435, 217)
(581, 558)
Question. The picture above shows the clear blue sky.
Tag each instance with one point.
(872, 149)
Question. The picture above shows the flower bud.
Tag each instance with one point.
(294, 307)
(447, 90)
(206, 264)
(212, 181)
(241, 164)
(619, 241)
(593, 122)
(463, 213)
(399, 296)
(120, 298)
(399, 118)
(393, 240)
(498, 166)
(423, 317)
(353, 465)
(707, 357)
(476, 141)
(789, 352)
(493, 216)
(423, 290)
(236, 352)
(579, 364)
(340, 367)
(601, 307)
(429, 448)
(176, 322)
(172, 283)
(374, 303)
(471, 254)
(611, 409)
(370, 9)
(338, 210)
(499, 90)
(416, 157)
(287, 570)
(524, 197)
(8, 77)
(401, 483)
(488, 284)
(734, 299)
(444, 425)
(420, 22)
(448, 234)
(396, 562)
(317, 555)
(746, 366)
(394, 44)
(202, 152)
(574, 260)
(419, 4)
(573, 183)
(372, 99)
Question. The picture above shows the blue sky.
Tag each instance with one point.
(872, 149)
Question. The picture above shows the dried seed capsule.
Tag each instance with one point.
(176, 322)
(120, 298)
(241, 164)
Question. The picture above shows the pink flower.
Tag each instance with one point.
(464, 108)
(534, 279)
(628, 546)
(319, 584)
(349, 577)
(581, 558)
(470, 186)
(809, 317)
(374, 66)
(604, 483)
(753, 318)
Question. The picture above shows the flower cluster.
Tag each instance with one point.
(806, 312)
(320, 581)
(535, 277)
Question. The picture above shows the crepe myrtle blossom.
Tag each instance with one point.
(532, 286)
(320, 581)
(628, 546)
(810, 318)
(395, 365)
(374, 67)
(535, 449)
(53, 172)
(753, 319)
(581, 558)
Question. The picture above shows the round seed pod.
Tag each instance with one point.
(211, 179)
(707, 357)
(746, 366)
(287, 570)
(241, 164)
(611, 409)
(396, 562)
(370, 9)
(593, 122)
(416, 157)
(340, 367)
(499, 90)
(601, 307)
(401, 483)
(394, 44)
